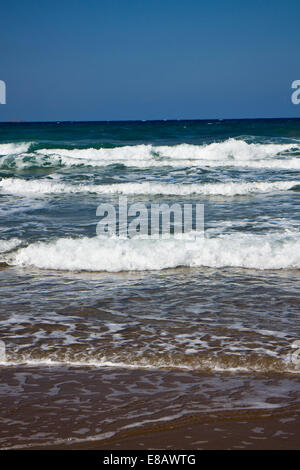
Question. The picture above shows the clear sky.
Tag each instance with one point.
(149, 59)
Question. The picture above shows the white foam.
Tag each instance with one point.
(231, 148)
(271, 251)
(8, 245)
(143, 363)
(231, 152)
(229, 188)
(14, 148)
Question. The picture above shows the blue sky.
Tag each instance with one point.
(149, 59)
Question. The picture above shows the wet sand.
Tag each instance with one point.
(109, 408)
(222, 431)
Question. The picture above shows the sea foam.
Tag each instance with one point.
(14, 148)
(231, 152)
(244, 250)
(231, 148)
(8, 245)
(229, 188)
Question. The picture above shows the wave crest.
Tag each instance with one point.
(271, 251)
(232, 152)
(229, 188)
(9, 245)
(14, 148)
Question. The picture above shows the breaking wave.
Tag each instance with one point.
(269, 251)
(9, 245)
(14, 148)
(231, 152)
(229, 188)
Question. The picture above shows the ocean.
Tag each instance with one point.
(114, 342)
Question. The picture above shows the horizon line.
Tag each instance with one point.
(16, 121)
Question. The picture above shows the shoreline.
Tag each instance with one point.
(142, 409)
